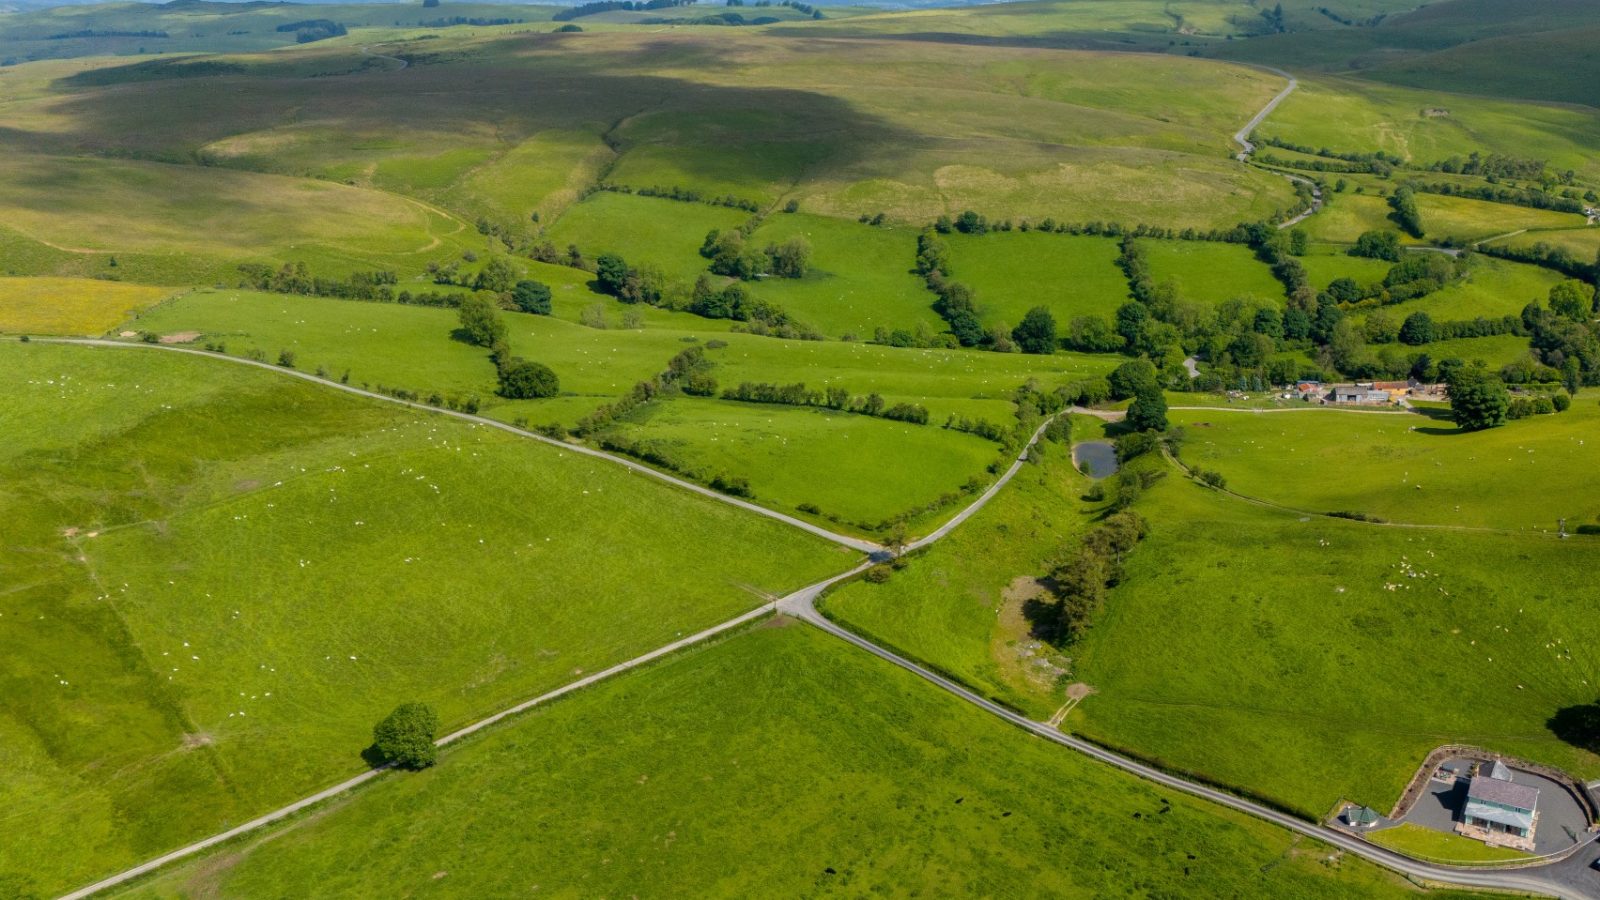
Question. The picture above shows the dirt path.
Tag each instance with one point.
(1242, 138)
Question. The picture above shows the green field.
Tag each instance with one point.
(222, 577)
(855, 469)
(410, 347)
(1490, 288)
(960, 604)
(1211, 273)
(860, 278)
(777, 762)
(1326, 263)
(1012, 272)
(1474, 220)
(645, 231)
(1408, 468)
(1307, 660)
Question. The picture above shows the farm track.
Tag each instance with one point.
(1564, 879)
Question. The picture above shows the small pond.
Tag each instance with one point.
(1097, 459)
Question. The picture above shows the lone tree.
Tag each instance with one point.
(405, 736)
(1148, 412)
(480, 321)
(1478, 398)
(521, 379)
(610, 274)
(532, 297)
(1037, 333)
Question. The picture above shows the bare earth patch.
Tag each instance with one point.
(1027, 662)
(181, 337)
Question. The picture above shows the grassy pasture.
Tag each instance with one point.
(1473, 220)
(1211, 272)
(1348, 114)
(91, 207)
(1582, 243)
(1326, 263)
(662, 233)
(856, 469)
(1071, 275)
(1494, 351)
(222, 578)
(407, 346)
(959, 604)
(1406, 468)
(860, 281)
(70, 305)
(1311, 659)
(1347, 215)
(730, 770)
(1490, 288)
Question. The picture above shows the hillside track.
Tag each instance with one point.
(1248, 147)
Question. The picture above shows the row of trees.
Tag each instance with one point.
(1080, 582)
(830, 398)
(732, 254)
(520, 379)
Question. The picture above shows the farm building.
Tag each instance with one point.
(1498, 810)
(1364, 394)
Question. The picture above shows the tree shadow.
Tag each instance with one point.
(373, 757)
(1043, 614)
(1577, 725)
(1437, 414)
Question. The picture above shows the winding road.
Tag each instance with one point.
(1569, 879)
(1242, 138)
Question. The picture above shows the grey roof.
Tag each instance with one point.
(1498, 770)
(1502, 793)
(1519, 820)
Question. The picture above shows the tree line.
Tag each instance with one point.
(836, 398)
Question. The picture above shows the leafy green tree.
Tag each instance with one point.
(1377, 244)
(1571, 375)
(480, 320)
(1478, 398)
(1298, 242)
(1037, 332)
(610, 274)
(1128, 379)
(1572, 299)
(405, 736)
(792, 258)
(1403, 202)
(521, 379)
(1148, 412)
(970, 222)
(1417, 329)
(497, 276)
(532, 297)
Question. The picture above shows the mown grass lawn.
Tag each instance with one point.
(220, 578)
(778, 762)
(1425, 843)
(1070, 275)
(1309, 659)
(959, 605)
(1211, 272)
(1523, 475)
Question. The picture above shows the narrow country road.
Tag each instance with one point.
(1242, 136)
(1557, 883)
(855, 543)
(1564, 880)
(1248, 147)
